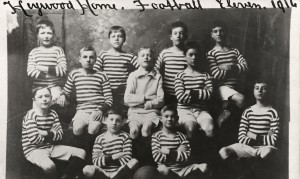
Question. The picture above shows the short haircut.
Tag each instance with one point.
(144, 48)
(263, 80)
(191, 45)
(179, 24)
(44, 23)
(219, 23)
(115, 111)
(117, 29)
(169, 108)
(88, 48)
(36, 89)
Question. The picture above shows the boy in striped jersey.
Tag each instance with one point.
(112, 152)
(227, 66)
(144, 95)
(193, 88)
(172, 60)
(259, 129)
(117, 64)
(47, 63)
(93, 95)
(171, 149)
(41, 127)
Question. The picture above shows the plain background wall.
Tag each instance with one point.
(262, 36)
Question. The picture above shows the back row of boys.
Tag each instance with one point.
(104, 79)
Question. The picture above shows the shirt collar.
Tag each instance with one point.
(142, 72)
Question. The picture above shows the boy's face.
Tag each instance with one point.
(45, 36)
(178, 36)
(218, 34)
(116, 39)
(145, 58)
(114, 122)
(43, 98)
(87, 59)
(192, 57)
(260, 91)
(169, 119)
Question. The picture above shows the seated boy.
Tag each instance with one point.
(112, 153)
(259, 128)
(144, 95)
(41, 127)
(93, 95)
(171, 150)
(193, 88)
(117, 64)
(227, 66)
(172, 60)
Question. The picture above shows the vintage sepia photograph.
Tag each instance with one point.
(145, 95)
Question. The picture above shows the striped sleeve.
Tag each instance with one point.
(272, 137)
(107, 92)
(99, 62)
(31, 128)
(159, 63)
(31, 66)
(155, 145)
(215, 71)
(242, 64)
(183, 96)
(56, 128)
(206, 92)
(98, 155)
(244, 128)
(127, 149)
(69, 84)
(134, 63)
(183, 156)
(61, 68)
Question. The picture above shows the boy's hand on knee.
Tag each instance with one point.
(182, 148)
(97, 115)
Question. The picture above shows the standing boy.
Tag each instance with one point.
(41, 127)
(171, 149)
(117, 64)
(227, 65)
(47, 63)
(193, 88)
(112, 153)
(93, 95)
(144, 95)
(172, 60)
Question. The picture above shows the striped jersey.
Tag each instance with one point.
(265, 125)
(31, 139)
(219, 60)
(159, 140)
(193, 91)
(92, 90)
(116, 67)
(169, 63)
(54, 59)
(104, 148)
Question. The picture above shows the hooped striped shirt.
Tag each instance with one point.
(176, 159)
(265, 125)
(169, 63)
(219, 60)
(116, 67)
(104, 148)
(54, 59)
(93, 91)
(193, 91)
(31, 139)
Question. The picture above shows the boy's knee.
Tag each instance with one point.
(266, 153)
(79, 153)
(88, 171)
(48, 166)
(162, 169)
(239, 100)
(94, 127)
(209, 130)
(134, 132)
(225, 152)
(133, 163)
(190, 129)
(146, 131)
(78, 128)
